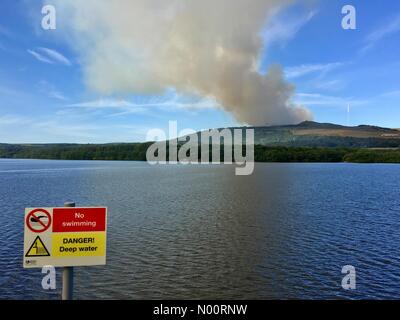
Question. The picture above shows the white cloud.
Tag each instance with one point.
(395, 93)
(317, 99)
(57, 95)
(55, 56)
(382, 32)
(40, 57)
(282, 28)
(104, 103)
(171, 104)
(6, 120)
(50, 56)
(117, 107)
(329, 84)
(50, 90)
(66, 128)
(305, 69)
(82, 131)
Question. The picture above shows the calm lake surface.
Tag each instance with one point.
(200, 232)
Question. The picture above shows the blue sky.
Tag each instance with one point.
(44, 97)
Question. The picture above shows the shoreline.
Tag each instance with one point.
(165, 164)
(262, 153)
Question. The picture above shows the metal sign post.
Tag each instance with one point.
(68, 272)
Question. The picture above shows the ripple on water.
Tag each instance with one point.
(201, 232)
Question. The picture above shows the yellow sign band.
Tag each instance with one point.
(82, 244)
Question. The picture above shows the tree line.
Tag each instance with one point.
(137, 152)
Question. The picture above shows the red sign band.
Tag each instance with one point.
(79, 219)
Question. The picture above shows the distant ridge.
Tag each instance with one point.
(324, 125)
(304, 134)
(315, 134)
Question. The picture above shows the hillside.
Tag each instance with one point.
(305, 142)
(314, 134)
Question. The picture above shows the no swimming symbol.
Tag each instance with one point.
(38, 220)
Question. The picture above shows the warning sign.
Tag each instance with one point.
(38, 220)
(65, 237)
(37, 249)
(75, 244)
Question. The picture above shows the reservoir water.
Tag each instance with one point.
(200, 232)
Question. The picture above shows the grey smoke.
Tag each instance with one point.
(204, 47)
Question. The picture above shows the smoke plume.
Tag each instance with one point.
(204, 47)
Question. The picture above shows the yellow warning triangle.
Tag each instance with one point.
(37, 249)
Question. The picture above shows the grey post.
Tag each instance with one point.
(68, 273)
